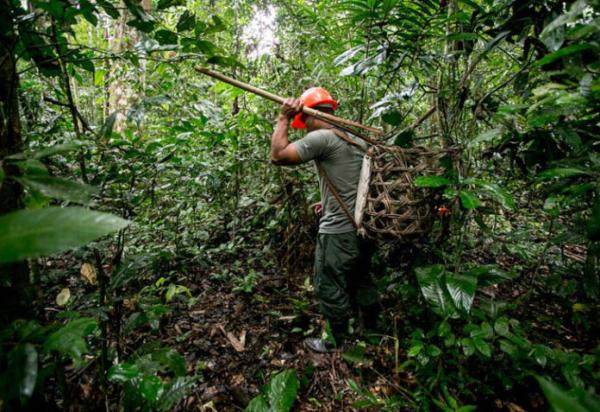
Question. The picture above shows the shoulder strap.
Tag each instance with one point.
(345, 138)
(337, 196)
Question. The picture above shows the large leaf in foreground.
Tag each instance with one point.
(30, 233)
(59, 188)
(431, 280)
(282, 390)
(576, 400)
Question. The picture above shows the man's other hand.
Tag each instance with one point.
(317, 208)
(291, 107)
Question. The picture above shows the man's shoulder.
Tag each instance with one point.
(320, 134)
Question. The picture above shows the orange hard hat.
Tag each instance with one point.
(315, 96)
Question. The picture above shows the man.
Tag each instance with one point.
(341, 277)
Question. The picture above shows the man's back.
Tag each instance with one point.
(342, 162)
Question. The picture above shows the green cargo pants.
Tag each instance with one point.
(341, 279)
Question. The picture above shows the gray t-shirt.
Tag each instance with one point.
(342, 163)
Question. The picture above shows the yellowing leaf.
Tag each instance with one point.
(89, 273)
(63, 297)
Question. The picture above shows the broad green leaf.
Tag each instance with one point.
(205, 46)
(31, 233)
(415, 348)
(462, 290)
(282, 391)
(431, 181)
(433, 351)
(394, 118)
(99, 77)
(59, 188)
(174, 290)
(175, 392)
(498, 194)
(137, 10)
(222, 61)
(471, 3)
(501, 326)
(563, 401)
(444, 329)
(554, 40)
(165, 4)
(109, 8)
(187, 21)
(430, 280)
(258, 404)
(469, 200)
(217, 25)
(494, 42)
(486, 137)
(484, 331)
(151, 388)
(143, 25)
(467, 346)
(70, 339)
(405, 139)
(165, 37)
(170, 358)
(57, 149)
(488, 275)
(31, 167)
(123, 372)
(561, 172)
(576, 9)
(509, 348)
(482, 346)
(564, 52)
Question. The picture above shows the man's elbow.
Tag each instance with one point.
(276, 159)
(284, 158)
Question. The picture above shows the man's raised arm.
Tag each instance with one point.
(282, 152)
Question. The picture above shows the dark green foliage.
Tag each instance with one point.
(145, 389)
(70, 339)
(279, 395)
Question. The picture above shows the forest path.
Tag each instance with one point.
(235, 340)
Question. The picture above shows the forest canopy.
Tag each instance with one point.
(153, 258)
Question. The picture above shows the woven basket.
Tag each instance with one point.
(388, 204)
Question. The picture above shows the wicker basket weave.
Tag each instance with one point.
(388, 204)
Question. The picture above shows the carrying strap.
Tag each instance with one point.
(330, 184)
(335, 193)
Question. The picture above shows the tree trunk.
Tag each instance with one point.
(121, 94)
(15, 290)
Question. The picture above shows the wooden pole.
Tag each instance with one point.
(278, 99)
